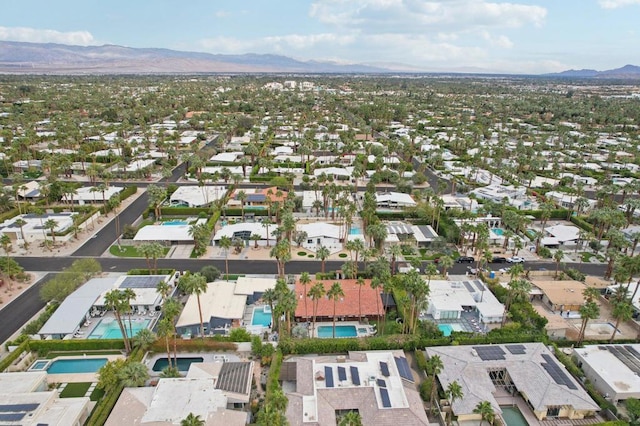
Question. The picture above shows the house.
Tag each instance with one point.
(322, 234)
(561, 234)
(569, 201)
(358, 300)
(244, 231)
(338, 173)
(227, 157)
(262, 197)
(27, 401)
(34, 231)
(394, 200)
(515, 196)
(167, 234)
(527, 375)
(563, 296)
(92, 194)
(172, 400)
(196, 196)
(449, 299)
(30, 190)
(614, 370)
(405, 233)
(459, 202)
(379, 385)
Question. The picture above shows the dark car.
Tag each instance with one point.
(499, 260)
(465, 259)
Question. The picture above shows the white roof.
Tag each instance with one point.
(320, 229)
(164, 233)
(85, 193)
(218, 301)
(252, 227)
(309, 197)
(336, 171)
(73, 310)
(564, 233)
(249, 285)
(226, 157)
(615, 373)
(198, 195)
(398, 198)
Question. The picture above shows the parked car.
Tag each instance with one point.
(465, 259)
(515, 259)
(499, 260)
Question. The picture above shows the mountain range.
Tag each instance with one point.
(51, 58)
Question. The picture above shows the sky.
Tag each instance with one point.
(517, 36)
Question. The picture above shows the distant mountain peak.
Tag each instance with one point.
(627, 71)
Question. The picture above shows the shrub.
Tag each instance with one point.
(425, 389)
(544, 252)
(575, 274)
(239, 335)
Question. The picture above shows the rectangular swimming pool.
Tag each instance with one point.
(326, 331)
(513, 417)
(183, 363)
(260, 317)
(108, 328)
(76, 365)
(39, 365)
(447, 329)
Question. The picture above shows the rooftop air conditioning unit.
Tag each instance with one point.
(341, 359)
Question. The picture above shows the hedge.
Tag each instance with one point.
(183, 211)
(9, 215)
(43, 347)
(9, 359)
(581, 223)
(103, 408)
(211, 223)
(247, 209)
(194, 345)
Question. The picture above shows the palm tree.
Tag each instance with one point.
(225, 242)
(242, 197)
(446, 262)
(51, 225)
(434, 367)
(360, 282)
(316, 292)
(128, 295)
(164, 289)
(113, 301)
(270, 297)
(589, 310)
(334, 293)
(144, 339)
(282, 253)
(352, 418)
(171, 309)
(5, 242)
(21, 223)
(557, 257)
(255, 238)
(323, 254)
(486, 412)
(622, 311)
(192, 420)
(517, 288)
(165, 330)
(305, 279)
(395, 251)
(133, 374)
(195, 284)
(454, 392)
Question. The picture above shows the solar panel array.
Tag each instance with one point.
(490, 353)
(328, 376)
(150, 281)
(11, 417)
(234, 377)
(342, 374)
(384, 396)
(355, 375)
(15, 408)
(627, 355)
(381, 383)
(556, 373)
(516, 349)
(384, 367)
(403, 368)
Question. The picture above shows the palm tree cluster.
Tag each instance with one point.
(283, 304)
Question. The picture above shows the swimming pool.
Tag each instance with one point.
(498, 231)
(39, 365)
(447, 329)
(183, 363)
(175, 223)
(260, 317)
(76, 365)
(601, 328)
(513, 417)
(355, 230)
(108, 328)
(326, 331)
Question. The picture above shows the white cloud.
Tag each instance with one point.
(37, 35)
(499, 41)
(614, 4)
(275, 44)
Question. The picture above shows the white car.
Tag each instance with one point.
(515, 259)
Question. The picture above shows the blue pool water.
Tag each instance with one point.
(39, 365)
(80, 365)
(260, 317)
(326, 331)
(355, 230)
(175, 223)
(513, 417)
(111, 330)
(446, 329)
(183, 363)
(498, 231)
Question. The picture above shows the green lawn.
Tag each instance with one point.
(96, 394)
(129, 251)
(75, 390)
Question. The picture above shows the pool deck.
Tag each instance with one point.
(150, 359)
(370, 328)
(468, 321)
(88, 327)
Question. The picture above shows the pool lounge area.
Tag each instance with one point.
(468, 323)
(108, 328)
(72, 369)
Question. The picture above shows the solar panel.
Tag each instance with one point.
(625, 356)
(234, 377)
(342, 374)
(384, 396)
(403, 368)
(150, 281)
(11, 417)
(516, 349)
(328, 376)
(556, 373)
(490, 353)
(633, 351)
(384, 368)
(355, 375)
(469, 287)
(381, 383)
(13, 408)
(480, 285)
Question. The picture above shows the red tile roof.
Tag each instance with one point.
(346, 306)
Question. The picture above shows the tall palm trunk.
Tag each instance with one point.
(201, 322)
